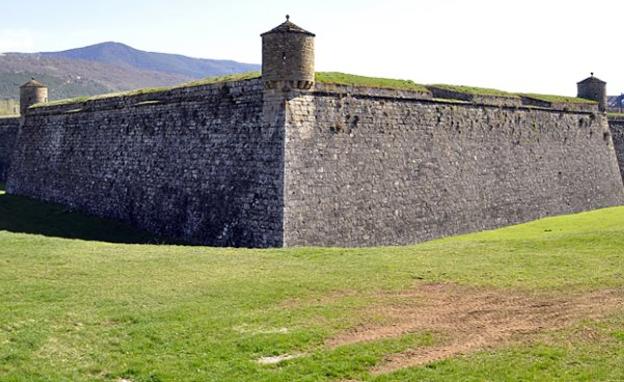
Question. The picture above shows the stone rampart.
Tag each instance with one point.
(198, 164)
(616, 123)
(235, 164)
(364, 168)
(9, 127)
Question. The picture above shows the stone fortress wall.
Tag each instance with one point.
(364, 168)
(8, 135)
(197, 164)
(616, 124)
(287, 162)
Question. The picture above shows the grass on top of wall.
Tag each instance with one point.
(615, 115)
(331, 78)
(557, 98)
(476, 90)
(78, 100)
(221, 79)
(84, 300)
(206, 81)
(500, 93)
(373, 82)
(8, 107)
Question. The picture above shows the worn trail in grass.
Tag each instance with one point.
(77, 309)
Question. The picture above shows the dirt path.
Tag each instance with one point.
(472, 319)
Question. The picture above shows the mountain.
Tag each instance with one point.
(105, 68)
(114, 53)
(71, 78)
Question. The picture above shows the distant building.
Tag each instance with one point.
(616, 103)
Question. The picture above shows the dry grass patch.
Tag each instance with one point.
(472, 319)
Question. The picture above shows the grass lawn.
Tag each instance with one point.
(87, 300)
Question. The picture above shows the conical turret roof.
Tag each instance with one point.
(289, 27)
(592, 79)
(33, 84)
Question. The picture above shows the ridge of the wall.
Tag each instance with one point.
(449, 97)
(190, 93)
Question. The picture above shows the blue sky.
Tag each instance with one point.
(530, 45)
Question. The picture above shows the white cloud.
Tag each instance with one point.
(16, 40)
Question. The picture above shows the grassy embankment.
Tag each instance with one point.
(84, 300)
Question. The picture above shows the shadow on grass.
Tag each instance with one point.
(23, 215)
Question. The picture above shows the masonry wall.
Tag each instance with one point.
(198, 164)
(366, 167)
(236, 165)
(8, 134)
(616, 125)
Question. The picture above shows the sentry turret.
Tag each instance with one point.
(288, 57)
(594, 89)
(32, 93)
